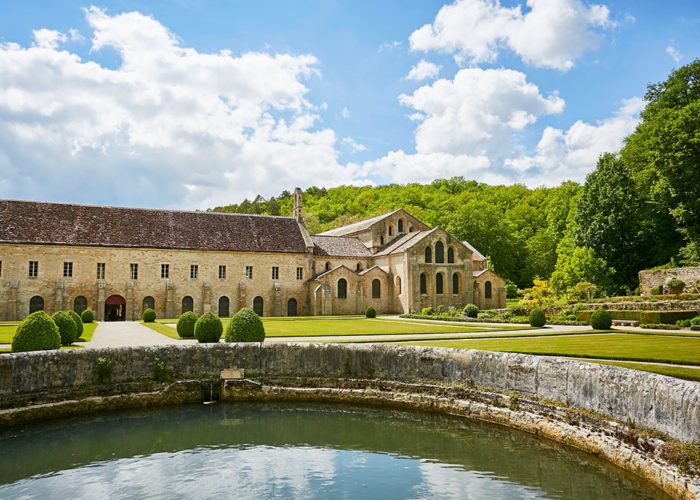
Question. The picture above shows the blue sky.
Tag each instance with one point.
(560, 101)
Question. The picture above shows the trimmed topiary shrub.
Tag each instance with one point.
(245, 326)
(537, 318)
(471, 311)
(37, 332)
(208, 328)
(601, 319)
(370, 313)
(66, 327)
(185, 324)
(148, 316)
(675, 286)
(78, 323)
(87, 316)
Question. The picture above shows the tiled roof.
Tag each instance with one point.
(89, 225)
(338, 246)
(357, 226)
(477, 255)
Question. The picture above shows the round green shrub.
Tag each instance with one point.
(208, 328)
(185, 324)
(370, 312)
(148, 316)
(37, 332)
(675, 286)
(656, 290)
(471, 311)
(511, 291)
(78, 323)
(245, 326)
(601, 319)
(87, 316)
(66, 327)
(426, 311)
(537, 318)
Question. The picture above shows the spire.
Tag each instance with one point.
(298, 200)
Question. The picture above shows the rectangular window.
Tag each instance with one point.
(67, 269)
(300, 273)
(222, 272)
(194, 271)
(249, 272)
(134, 271)
(33, 268)
(275, 273)
(100, 270)
(165, 270)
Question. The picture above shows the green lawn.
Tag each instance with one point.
(88, 331)
(168, 331)
(679, 350)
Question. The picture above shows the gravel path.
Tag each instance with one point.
(126, 333)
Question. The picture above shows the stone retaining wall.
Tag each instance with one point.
(666, 404)
(651, 278)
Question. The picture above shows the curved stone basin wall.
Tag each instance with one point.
(666, 404)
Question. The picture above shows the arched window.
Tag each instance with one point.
(410, 229)
(391, 231)
(428, 255)
(79, 304)
(450, 255)
(149, 303)
(187, 304)
(292, 307)
(400, 225)
(398, 285)
(258, 305)
(376, 289)
(438, 283)
(455, 283)
(358, 267)
(381, 240)
(423, 284)
(487, 290)
(36, 303)
(342, 288)
(223, 307)
(439, 253)
(328, 266)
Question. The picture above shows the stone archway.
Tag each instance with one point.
(258, 305)
(115, 308)
(292, 307)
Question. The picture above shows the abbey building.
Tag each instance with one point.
(120, 261)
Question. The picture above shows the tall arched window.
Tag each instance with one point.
(439, 253)
(381, 240)
(328, 266)
(36, 303)
(187, 304)
(438, 283)
(358, 267)
(423, 284)
(487, 290)
(258, 305)
(149, 303)
(342, 288)
(398, 285)
(455, 283)
(391, 231)
(428, 255)
(223, 307)
(376, 289)
(400, 225)
(450, 255)
(79, 304)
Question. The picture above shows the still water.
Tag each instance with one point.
(296, 451)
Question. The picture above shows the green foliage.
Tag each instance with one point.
(511, 290)
(37, 332)
(185, 324)
(656, 290)
(537, 318)
(87, 316)
(370, 312)
(148, 316)
(66, 327)
(208, 328)
(160, 371)
(601, 319)
(518, 310)
(471, 310)
(675, 286)
(245, 326)
(78, 323)
(685, 455)
(585, 290)
(103, 371)
(539, 295)
(427, 311)
(695, 321)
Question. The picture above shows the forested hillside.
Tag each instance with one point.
(636, 210)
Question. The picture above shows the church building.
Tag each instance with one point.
(120, 261)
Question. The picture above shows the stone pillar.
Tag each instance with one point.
(326, 301)
(100, 300)
(276, 300)
(59, 288)
(360, 297)
(241, 295)
(206, 297)
(130, 302)
(169, 299)
(12, 301)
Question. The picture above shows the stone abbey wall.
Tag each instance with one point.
(666, 404)
(649, 279)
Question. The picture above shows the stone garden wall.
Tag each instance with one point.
(663, 403)
(649, 279)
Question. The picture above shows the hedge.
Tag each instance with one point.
(78, 323)
(148, 316)
(208, 328)
(37, 332)
(245, 326)
(66, 327)
(185, 325)
(646, 317)
(87, 316)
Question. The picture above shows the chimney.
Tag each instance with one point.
(298, 200)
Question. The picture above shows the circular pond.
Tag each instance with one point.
(300, 451)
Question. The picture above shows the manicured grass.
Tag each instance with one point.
(168, 331)
(434, 337)
(679, 350)
(6, 333)
(512, 302)
(88, 331)
(332, 327)
(684, 372)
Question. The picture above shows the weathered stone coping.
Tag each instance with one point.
(583, 404)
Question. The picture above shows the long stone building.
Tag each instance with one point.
(120, 261)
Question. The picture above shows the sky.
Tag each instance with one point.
(193, 104)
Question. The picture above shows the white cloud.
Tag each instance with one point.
(354, 146)
(170, 126)
(423, 70)
(389, 45)
(551, 34)
(674, 53)
(345, 113)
